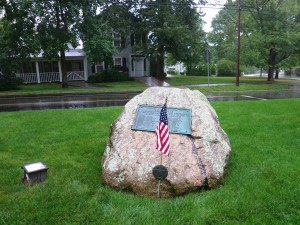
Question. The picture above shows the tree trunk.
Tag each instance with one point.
(277, 74)
(271, 73)
(160, 63)
(261, 72)
(64, 83)
(161, 53)
(160, 67)
(272, 58)
(60, 17)
(189, 69)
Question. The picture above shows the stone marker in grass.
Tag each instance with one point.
(197, 160)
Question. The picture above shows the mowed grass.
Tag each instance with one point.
(229, 83)
(261, 184)
(50, 88)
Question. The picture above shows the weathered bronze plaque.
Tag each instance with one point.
(179, 119)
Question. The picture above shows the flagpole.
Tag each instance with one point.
(158, 189)
(162, 144)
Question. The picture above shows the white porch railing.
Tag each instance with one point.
(75, 75)
(28, 77)
(49, 77)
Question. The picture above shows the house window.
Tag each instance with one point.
(99, 67)
(117, 39)
(117, 61)
(137, 39)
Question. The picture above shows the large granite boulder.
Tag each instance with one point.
(196, 161)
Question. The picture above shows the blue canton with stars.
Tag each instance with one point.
(163, 115)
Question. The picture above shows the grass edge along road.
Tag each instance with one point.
(261, 185)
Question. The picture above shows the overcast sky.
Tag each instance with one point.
(211, 11)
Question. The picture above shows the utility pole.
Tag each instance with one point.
(238, 45)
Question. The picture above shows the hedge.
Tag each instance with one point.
(226, 68)
(110, 75)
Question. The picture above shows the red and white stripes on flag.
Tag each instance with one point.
(162, 132)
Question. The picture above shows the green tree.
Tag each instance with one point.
(269, 33)
(174, 27)
(52, 26)
(224, 34)
(170, 60)
(274, 30)
(96, 34)
(164, 26)
(121, 23)
(13, 48)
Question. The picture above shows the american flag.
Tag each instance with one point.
(162, 132)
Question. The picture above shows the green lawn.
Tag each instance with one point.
(229, 83)
(261, 186)
(179, 80)
(49, 88)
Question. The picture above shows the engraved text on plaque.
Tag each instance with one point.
(179, 119)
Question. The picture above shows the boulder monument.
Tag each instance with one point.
(196, 161)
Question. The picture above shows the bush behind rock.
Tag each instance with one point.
(9, 82)
(110, 75)
(226, 68)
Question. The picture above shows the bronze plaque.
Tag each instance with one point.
(179, 119)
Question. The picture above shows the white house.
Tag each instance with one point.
(39, 70)
(137, 63)
(179, 66)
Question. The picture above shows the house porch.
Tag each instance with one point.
(41, 71)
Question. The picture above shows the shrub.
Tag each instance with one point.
(201, 70)
(96, 78)
(110, 75)
(173, 72)
(198, 71)
(9, 82)
(226, 68)
(292, 71)
(288, 72)
(121, 68)
(297, 71)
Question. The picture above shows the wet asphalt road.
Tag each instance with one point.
(88, 100)
(63, 101)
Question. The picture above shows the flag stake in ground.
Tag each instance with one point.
(160, 172)
(162, 144)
